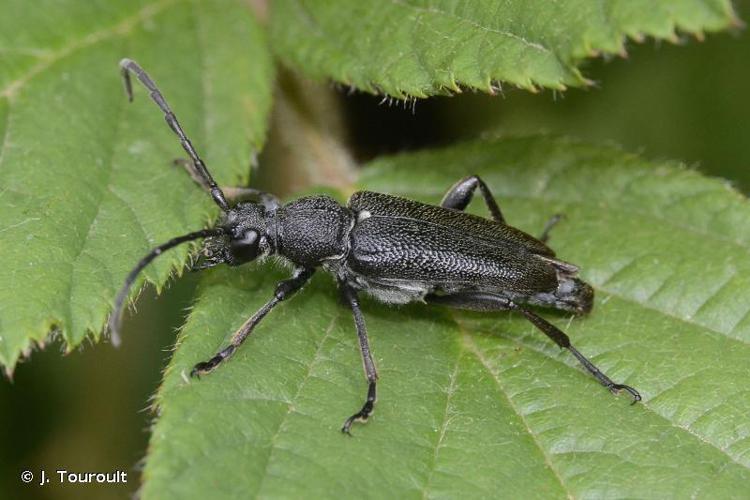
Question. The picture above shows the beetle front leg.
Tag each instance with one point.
(284, 289)
(234, 194)
(350, 296)
(460, 194)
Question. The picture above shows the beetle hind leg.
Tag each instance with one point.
(363, 414)
(562, 340)
(485, 301)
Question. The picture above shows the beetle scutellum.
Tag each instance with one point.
(394, 249)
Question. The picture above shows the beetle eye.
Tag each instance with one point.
(246, 248)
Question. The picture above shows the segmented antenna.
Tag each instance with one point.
(128, 65)
(114, 320)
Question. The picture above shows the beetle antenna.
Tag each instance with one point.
(114, 320)
(128, 65)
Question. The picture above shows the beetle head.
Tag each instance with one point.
(245, 238)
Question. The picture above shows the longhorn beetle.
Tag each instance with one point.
(394, 249)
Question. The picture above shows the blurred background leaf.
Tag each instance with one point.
(438, 47)
(483, 404)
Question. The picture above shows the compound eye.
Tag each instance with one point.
(246, 247)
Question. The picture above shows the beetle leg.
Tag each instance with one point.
(551, 223)
(194, 174)
(563, 341)
(284, 289)
(483, 301)
(235, 194)
(460, 194)
(471, 301)
(350, 296)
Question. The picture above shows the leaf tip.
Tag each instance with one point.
(589, 83)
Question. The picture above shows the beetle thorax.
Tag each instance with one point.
(312, 230)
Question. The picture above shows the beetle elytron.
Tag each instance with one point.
(394, 249)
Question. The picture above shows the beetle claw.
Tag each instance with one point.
(616, 388)
(201, 369)
(357, 417)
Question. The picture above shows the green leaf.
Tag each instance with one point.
(484, 405)
(86, 181)
(413, 48)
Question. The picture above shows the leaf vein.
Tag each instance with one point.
(452, 386)
(274, 440)
(671, 315)
(532, 346)
(714, 293)
(471, 346)
(509, 34)
(6, 131)
(119, 29)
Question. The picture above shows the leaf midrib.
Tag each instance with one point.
(434, 10)
(444, 424)
(104, 187)
(468, 343)
(290, 407)
(703, 329)
(5, 131)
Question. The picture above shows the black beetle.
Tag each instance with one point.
(396, 250)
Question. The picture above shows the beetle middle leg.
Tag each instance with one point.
(350, 296)
(485, 301)
(460, 194)
(284, 289)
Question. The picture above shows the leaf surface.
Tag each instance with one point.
(483, 405)
(417, 48)
(86, 182)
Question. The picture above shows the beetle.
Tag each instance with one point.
(394, 249)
